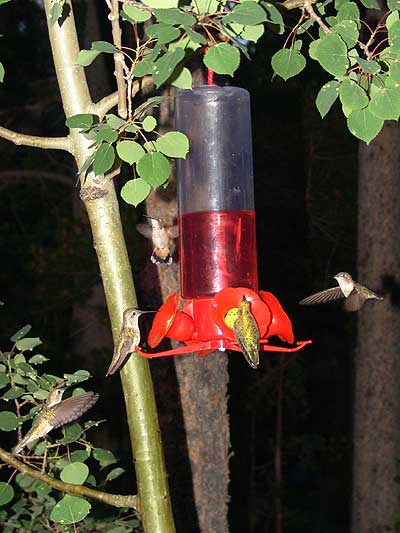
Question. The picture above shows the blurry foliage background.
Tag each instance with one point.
(306, 192)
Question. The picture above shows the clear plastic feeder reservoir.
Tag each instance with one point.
(217, 230)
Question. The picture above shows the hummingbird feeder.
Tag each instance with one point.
(217, 232)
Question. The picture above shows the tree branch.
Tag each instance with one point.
(118, 59)
(56, 143)
(293, 4)
(117, 500)
(108, 102)
(314, 16)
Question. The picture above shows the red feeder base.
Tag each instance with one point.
(205, 324)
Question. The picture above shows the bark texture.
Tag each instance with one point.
(376, 494)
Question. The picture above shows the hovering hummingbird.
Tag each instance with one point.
(55, 413)
(128, 340)
(355, 294)
(161, 237)
(246, 333)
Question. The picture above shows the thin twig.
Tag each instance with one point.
(307, 5)
(119, 60)
(117, 500)
(56, 143)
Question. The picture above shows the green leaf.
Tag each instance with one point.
(4, 380)
(161, 4)
(82, 121)
(348, 31)
(253, 33)
(370, 67)
(364, 125)
(164, 67)
(106, 134)
(71, 432)
(27, 370)
(173, 144)
(1, 72)
(21, 333)
(174, 16)
(287, 63)
(130, 151)
(149, 123)
(352, 96)
(19, 358)
(8, 421)
(4, 1)
(331, 52)
(142, 68)
(182, 78)
(104, 457)
(28, 343)
(154, 168)
(222, 59)
(385, 103)
(348, 11)
(13, 393)
(104, 46)
(86, 57)
(77, 377)
(195, 36)
(70, 509)
(38, 359)
(371, 4)
(80, 455)
(163, 33)
(140, 111)
(246, 13)
(104, 159)
(114, 121)
(75, 473)
(41, 394)
(393, 4)
(135, 191)
(114, 473)
(274, 15)
(6, 493)
(136, 14)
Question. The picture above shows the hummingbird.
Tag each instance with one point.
(128, 339)
(161, 237)
(354, 293)
(246, 333)
(55, 413)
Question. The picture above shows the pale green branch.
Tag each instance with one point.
(56, 143)
(104, 105)
(119, 60)
(116, 500)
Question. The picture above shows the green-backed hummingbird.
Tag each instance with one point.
(246, 333)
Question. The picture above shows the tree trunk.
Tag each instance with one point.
(376, 494)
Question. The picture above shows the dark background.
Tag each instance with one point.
(306, 202)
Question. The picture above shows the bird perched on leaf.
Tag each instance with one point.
(128, 339)
(246, 333)
(161, 237)
(354, 293)
(55, 413)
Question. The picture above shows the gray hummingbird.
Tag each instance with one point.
(55, 413)
(128, 340)
(354, 293)
(246, 333)
(161, 237)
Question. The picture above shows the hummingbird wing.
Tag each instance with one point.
(123, 348)
(354, 302)
(72, 408)
(335, 293)
(145, 230)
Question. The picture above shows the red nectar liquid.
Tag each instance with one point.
(217, 250)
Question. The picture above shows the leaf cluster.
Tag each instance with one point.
(27, 502)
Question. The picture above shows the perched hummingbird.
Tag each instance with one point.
(161, 237)
(246, 333)
(355, 294)
(55, 413)
(128, 340)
